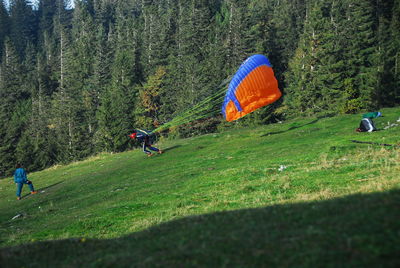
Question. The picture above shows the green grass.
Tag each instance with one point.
(219, 200)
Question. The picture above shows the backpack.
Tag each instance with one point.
(367, 125)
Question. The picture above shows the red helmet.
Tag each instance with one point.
(133, 135)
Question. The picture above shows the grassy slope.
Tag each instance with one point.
(336, 203)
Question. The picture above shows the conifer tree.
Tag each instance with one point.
(288, 18)
(4, 25)
(79, 90)
(235, 39)
(22, 111)
(101, 77)
(186, 71)
(46, 12)
(41, 129)
(23, 25)
(117, 103)
(331, 67)
(382, 94)
(304, 85)
(60, 119)
(360, 56)
(393, 56)
(154, 37)
(13, 103)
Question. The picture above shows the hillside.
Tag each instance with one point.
(298, 193)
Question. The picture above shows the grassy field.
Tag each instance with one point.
(295, 194)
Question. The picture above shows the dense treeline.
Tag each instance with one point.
(74, 82)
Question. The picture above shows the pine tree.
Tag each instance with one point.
(48, 100)
(117, 103)
(304, 84)
(153, 35)
(4, 25)
(13, 103)
(391, 76)
(47, 10)
(60, 124)
(41, 129)
(23, 25)
(235, 39)
(331, 67)
(360, 56)
(101, 78)
(80, 92)
(382, 94)
(188, 78)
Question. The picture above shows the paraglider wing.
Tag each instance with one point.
(253, 86)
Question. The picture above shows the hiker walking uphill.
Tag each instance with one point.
(143, 136)
(20, 179)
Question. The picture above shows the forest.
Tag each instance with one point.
(76, 79)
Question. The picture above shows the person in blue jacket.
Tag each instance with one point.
(144, 137)
(20, 179)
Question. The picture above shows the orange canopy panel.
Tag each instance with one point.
(253, 86)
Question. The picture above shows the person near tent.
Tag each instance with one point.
(143, 136)
(366, 125)
(20, 179)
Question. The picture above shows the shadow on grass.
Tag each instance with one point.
(43, 189)
(353, 231)
(295, 127)
(50, 186)
(171, 148)
(289, 129)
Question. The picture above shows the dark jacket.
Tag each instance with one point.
(143, 136)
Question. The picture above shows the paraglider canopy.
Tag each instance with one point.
(253, 86)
